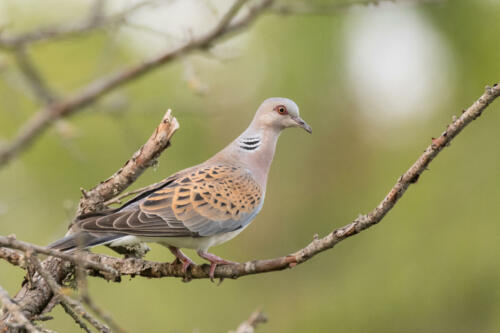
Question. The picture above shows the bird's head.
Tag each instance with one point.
(280, 113)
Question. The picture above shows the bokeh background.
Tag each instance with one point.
(375, 83)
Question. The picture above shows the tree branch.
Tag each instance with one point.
(313, 8)
(93, 21)
(12, 243)
(33, 77)
(45, 117)
(12, 257)
(37, 297)
(68, 302)
(146, 156)
(157, 270)
(249, 325)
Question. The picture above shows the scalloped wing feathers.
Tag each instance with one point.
(202, 201)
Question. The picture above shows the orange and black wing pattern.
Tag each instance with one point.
(202, 201)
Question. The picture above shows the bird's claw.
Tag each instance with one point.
(181, 258)
(214, 261)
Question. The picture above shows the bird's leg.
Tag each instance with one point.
(186, 262)
(214, 261)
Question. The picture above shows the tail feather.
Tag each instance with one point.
(82, 240)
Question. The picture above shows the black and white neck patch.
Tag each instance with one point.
(249, 143)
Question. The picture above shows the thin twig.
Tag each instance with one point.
(69, 311)
(249, 325)
(322, 9)
(93, 21)
(46, 116)
(119, 199)
(81, 279)
(13, 257)
(66, 300)
(11, 242)
(17, 314)
(33, 77)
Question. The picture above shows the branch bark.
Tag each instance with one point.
(12, 243)
(13, 310)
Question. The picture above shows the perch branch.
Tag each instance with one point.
(42, 119)
(157, 270)
(133, 266)
(12, 243)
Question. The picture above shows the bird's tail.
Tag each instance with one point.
(82, 240)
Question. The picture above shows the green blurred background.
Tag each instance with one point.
(375, 83)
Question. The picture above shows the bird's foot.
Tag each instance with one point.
(214, 261)
(186, 262)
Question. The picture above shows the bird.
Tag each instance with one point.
(201, 206)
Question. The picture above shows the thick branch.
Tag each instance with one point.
(68, 302)
(13, 310)
(45, 117)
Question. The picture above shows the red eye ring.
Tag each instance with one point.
(281, 109)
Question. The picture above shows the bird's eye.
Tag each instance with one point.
(281, 109)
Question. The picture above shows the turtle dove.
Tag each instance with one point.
(201, 206)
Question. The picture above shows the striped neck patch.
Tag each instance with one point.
(249, 143)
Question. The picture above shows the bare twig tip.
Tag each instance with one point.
(84, 193)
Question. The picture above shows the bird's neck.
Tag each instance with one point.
(253, 149)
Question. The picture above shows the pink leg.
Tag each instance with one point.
(186, 262)
(214, 261)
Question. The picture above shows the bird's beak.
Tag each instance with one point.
(301, 123)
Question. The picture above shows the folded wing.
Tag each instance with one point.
(202, 202)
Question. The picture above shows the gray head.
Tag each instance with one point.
(280, 113)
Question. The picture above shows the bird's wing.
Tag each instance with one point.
(202, 202)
